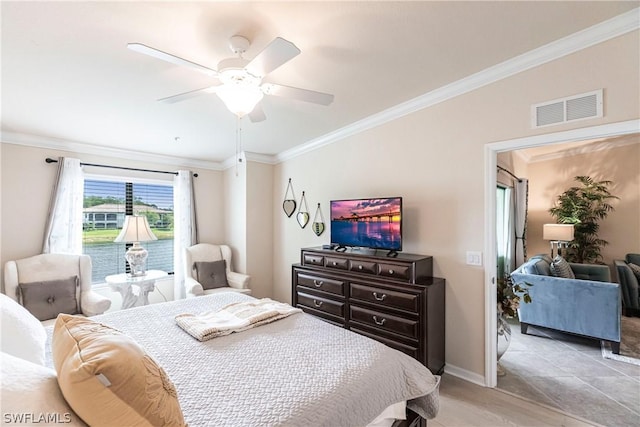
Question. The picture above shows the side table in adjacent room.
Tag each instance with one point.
(135, 290)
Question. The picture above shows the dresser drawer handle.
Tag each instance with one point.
(379, 297)
(318, 283)
(379, 322)
(391, 271)
(334, 263)
(317, 303)
(359, 267)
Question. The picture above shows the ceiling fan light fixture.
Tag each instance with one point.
(240, 99)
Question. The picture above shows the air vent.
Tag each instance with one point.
(578, 107)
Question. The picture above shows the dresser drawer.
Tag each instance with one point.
(321, 304)
(396, 271)
(385, 321)
(339, 263)
(321, 283)
(364, 267)
(312, 259)
(408, 349)
(395, 299)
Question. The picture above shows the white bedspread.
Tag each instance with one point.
(297, 371)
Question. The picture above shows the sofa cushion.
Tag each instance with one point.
(21, 334)
(636, 270)
(47, 299)
(212, 275)
(108, 379)
(538, 266)
(561, 268)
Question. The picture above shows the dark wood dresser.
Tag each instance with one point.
(396, 301)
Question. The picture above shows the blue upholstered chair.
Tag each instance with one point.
(588, 305)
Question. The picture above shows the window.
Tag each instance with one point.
(106, 202)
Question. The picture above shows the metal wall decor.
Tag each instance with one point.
(303, 216)
(318, 226)
(289, 205)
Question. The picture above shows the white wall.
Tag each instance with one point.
(434, 159)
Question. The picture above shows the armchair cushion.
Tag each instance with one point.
(21, 334)
(46, 299)
(211, 274)
(635, 269)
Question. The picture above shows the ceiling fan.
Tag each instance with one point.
(241, 87)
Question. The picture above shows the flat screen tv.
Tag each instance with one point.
(368, 223)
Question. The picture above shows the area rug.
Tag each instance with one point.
(630, 344)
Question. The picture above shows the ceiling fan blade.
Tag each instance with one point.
(297, 93)
(274, 55)
(186, 95)
(141, 48)
(257, 114)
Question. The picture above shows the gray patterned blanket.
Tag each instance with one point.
(297, 371)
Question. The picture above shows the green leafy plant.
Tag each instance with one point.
(584, 206)
(509, 295)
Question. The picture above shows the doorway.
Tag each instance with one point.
(491, 152)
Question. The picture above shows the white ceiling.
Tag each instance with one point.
(67, 74)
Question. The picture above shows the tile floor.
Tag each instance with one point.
(569, 373)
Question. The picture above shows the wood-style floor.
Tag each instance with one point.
(464, 404)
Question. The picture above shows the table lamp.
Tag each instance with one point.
(558, 234)
(135, 230)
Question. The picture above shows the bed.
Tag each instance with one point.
(296, 371)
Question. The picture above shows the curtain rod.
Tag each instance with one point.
(50, 160)
(509, 173)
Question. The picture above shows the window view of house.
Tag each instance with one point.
(104, 211)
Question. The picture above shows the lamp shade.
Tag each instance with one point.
(558, 232)
(239, 98)
(135, 229)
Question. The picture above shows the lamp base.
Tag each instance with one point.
(136, 256)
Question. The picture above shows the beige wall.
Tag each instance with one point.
(26, 187)
(234, 208)
(434, 159)
(620, 164)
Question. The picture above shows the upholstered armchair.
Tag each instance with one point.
(49, 284)
(208, 270)
(629, 284)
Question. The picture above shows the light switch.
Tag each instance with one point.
(474, 258)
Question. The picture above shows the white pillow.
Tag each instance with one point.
(30, 395)
(22, 334)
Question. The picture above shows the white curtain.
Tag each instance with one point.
(185, 228)
(520, 190)
(505, 230)
(63, 231)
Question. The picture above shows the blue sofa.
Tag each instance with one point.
(588, 305)
(629, 285)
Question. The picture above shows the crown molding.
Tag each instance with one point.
(606, 30)
(248, 156)
(84, 148)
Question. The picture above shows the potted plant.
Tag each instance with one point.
(509, 296)
(584, 206)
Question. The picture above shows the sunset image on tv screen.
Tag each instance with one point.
(373, 223)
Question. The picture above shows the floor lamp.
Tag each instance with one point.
(559, 235)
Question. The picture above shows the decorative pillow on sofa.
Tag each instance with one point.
(108, 379)
(30, 395)
(636, 270)
(46, 300)
(561, 268)
(21, 334)
(212, 274)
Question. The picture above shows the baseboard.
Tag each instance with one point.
(465, 375)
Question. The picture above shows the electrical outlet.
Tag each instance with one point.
(474, 258)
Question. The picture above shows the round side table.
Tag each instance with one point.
(134, 290)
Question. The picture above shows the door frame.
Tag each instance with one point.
(491, 151)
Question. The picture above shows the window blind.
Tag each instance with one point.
(106, 202)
